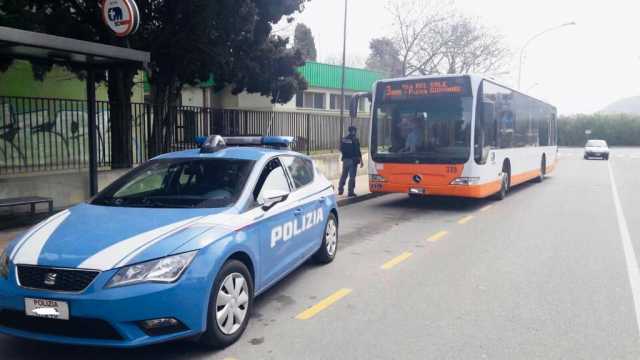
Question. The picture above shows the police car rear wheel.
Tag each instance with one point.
(229, 306)
(329, 247)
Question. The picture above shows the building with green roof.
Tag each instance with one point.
(323, 94)
(328, 76)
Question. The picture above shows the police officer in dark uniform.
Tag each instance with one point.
(351, 157)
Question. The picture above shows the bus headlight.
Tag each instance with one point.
(466, 181)
(377, 178)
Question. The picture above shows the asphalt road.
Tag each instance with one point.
(546, 273)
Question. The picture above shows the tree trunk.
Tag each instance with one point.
(120, 90)
(165, 97)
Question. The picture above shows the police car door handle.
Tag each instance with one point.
(297, 212)
(322, 199)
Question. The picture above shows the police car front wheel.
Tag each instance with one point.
(229, 305)
(329, 247)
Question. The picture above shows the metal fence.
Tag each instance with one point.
(42, 134)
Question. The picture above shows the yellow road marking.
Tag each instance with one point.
(396, 260)
(315, 309)
(465, 220)
(437, 236)
(486, 208)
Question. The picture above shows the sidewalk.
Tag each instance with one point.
(362, 190)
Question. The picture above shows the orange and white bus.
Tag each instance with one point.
(457, 135)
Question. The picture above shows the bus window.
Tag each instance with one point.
(485, 126)
(435, 129)
(545, 122)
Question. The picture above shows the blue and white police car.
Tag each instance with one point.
(176, 248)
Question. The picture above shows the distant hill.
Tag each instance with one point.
(630, 105)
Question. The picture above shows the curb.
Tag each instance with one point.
(357, 199)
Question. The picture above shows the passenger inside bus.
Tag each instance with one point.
(414, 139)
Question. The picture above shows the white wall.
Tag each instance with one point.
(192, 96)
(291, 105)
(224, 99)
(248, 101)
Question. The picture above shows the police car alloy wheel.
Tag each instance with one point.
(232, 303)
(329, 247)
(331, 236)
(229, 306)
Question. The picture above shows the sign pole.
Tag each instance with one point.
(91, 119)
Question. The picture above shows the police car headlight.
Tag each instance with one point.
(4, 265)
(165, 270)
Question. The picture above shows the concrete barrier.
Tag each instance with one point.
(70, 187)
(66, 188)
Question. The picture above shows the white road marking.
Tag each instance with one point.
(629, 253)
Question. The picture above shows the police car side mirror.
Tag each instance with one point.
(273, 197)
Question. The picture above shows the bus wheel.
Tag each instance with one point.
(504, 187)
(543, 170)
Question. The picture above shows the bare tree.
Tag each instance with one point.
(433, 38)
(418, 24)
(471, 47)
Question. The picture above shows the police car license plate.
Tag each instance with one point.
(51, 309)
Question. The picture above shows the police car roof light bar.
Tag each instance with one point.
(211, 144)
(243, 140)
(216, 142)
(278, 141)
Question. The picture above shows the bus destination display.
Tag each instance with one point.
(406, 90)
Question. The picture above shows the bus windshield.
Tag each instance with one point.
(425, 130)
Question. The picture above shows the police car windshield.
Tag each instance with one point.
(179, 183)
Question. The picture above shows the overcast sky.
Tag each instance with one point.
(580, 69)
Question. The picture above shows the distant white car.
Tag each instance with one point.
(596, 149)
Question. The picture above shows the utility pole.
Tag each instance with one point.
(344, 60)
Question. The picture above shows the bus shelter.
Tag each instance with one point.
(28, 45)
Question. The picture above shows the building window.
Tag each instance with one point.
(362, 105)
(335, 103)
(318, 101)
(299, 99)
(310, 100)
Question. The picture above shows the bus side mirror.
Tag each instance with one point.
(355, 101)
(353, 107)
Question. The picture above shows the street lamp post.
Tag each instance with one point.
(526, 44)
(532, 86)
(344, 60)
